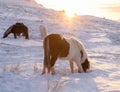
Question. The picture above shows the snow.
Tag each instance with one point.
(21, 60)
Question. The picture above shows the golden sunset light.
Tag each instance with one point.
(69, 13)
(101, 8)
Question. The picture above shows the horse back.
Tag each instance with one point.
(58, 46)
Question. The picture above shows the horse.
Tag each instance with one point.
(59, 47)
(17, 29)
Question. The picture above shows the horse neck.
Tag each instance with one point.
(9, 30)
(81, 47)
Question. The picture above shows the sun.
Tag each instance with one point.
(69, 14)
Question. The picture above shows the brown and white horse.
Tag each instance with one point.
(56, 46)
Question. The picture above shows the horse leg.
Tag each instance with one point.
(25, 33)
(15, 35)
(71, 65)
(26, 36)
(44, 69)
(80, 68)
(45, 66)
(53, 60)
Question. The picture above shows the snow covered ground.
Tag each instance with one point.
(21, 60)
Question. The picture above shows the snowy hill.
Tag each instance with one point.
(21, 60)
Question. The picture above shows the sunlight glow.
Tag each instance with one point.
(82, 7)
(69, 13)
(71, 7)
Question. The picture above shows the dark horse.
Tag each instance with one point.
(17, 29)
(56, 46)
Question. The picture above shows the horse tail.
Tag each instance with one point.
(47, 62)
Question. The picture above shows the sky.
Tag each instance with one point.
(102, 8)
